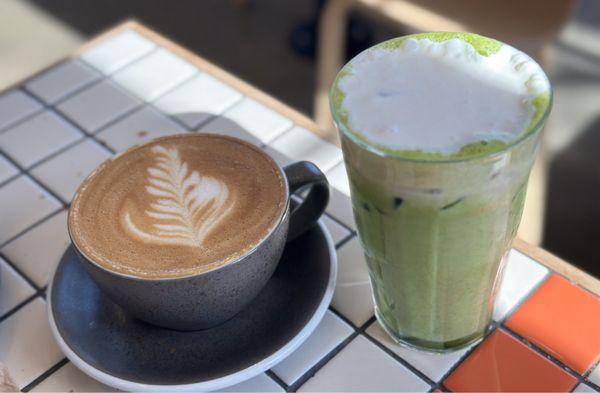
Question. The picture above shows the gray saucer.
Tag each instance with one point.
(109, 345)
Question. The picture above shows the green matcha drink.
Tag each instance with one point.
(439, 133)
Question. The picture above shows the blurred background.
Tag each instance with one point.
(292, 49)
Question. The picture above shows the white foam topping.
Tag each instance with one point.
(186, 206)
(440, 96)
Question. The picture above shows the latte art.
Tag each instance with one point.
(177, 206)
(187, 205)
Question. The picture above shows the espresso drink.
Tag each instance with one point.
(177, 206)
(439, 132)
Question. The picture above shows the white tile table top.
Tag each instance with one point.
(224, 126)
(125, 91)
(27, 347)
(118, 51)
(22, 203)
(97, 105)
(60, 80)
(330, 332)
(352, 296)
(260, 383)
(340, 207)
(64, 173)
(301, 144)
(521, 276)
(37, 251)
(434, 365)
(14, 289)
(198, 99)
(595, 375)
(264, 123)
(338, 178)
(16, 105)
(362, 367)
(137, 128)
(280, 158)
(38, 137)
(584, 388)
(7, 170)
(154, 74)
(68, 378)
(337, 231)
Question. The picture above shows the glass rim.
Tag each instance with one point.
(372, 148)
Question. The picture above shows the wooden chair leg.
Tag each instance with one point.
(330, 55)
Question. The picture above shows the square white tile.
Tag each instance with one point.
(7, 170)
(14, 288)
(258, 120)
(338, 178)
(595, 375)
(338, 232)
(154, 75)
(434, 365)
(14, 106)
(352, 296)
(97, 105)
(118, 51)
(139, 127)
(39, 250)
(301, 144)
(521, 275)
(330, 332)
(22, 203)
(362, 367)
(260, 383)
(340, 207)
(27, 347)
(64, 173)
(280, 158)
(198, 99)
(583, 388)
(37, 138)
(224, 126)
(60, 80)
(68, 378)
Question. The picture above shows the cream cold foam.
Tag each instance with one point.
(436, 97)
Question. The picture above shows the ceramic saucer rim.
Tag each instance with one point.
(221, 382)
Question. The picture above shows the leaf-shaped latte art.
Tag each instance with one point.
(186, 207)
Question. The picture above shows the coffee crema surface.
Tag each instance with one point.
(177, 206)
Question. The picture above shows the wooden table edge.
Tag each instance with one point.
(540, 255)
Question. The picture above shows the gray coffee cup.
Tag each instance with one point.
(207, 299)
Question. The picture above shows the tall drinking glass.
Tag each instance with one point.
(435, 228)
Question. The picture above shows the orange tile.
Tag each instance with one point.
(562, 319)
(502, 363)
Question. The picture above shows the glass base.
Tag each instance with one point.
(431, 346)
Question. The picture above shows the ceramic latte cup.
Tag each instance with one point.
(184, 231)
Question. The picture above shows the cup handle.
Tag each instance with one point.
(306, 214)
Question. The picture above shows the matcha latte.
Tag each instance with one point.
(439, 132)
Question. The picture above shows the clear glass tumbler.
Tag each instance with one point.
(436, 233)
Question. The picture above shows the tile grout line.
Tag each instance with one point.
(10, 263)
(433, 384)
(345, 240)
(45, 375)
(38, 222)
(337, 221)
(526, 297)
(329, 356)
(277, 380)
(492, 328)
(534, 347)
(19, 306)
